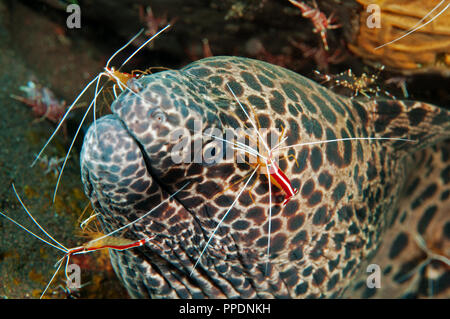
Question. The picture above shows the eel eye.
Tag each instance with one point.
(159, 116)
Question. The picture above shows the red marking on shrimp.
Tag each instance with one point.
(110, 242)
(101, 242)
(281, 181)
(319, 19)
(274, 173)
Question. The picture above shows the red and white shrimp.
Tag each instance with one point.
(42, 101)
(275, 174)
(280, 180)
(105, 241)
(318, 18)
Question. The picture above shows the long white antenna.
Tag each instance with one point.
(127, 44)
(36, 223)
(62, 120)
(143, 216)
(270, 217)
(145, 43)
(238, 146)
(347, 139)
(253, 124)
(223, 218)
(31, 233)
(71, 145)
(418, 27)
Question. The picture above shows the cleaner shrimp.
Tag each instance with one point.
(103, 241)
(274, 174)
(120, 80)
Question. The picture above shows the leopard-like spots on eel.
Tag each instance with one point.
(359, 202)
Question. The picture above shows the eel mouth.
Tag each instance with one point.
(126, 174)
(118, 177)
(128, 170)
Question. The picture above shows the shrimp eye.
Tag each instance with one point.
(159, 116)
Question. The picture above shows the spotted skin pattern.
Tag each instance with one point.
(355, 197)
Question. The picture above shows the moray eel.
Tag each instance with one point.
(364, 208)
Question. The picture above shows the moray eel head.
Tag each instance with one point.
(348, 194)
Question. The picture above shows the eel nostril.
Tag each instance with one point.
(135, 85)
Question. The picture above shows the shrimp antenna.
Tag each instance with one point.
(143, 216)
(253, 124)
(62, 120)
(96, 93)
(145, 43)
(223, 218)
(31, 233)
(69, 109)
(347, 139)
(122, 48)
(236, 145)
(417, 27)
(53, 277)
(58, 245)
(270, 218)
(71, 145)
(36, 223)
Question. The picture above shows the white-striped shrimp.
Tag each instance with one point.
(102, 241)
(274, 173)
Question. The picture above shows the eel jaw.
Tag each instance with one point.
(118, 181)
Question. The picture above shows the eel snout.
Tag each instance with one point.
(119, 184)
